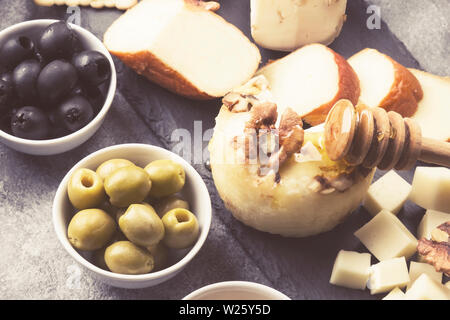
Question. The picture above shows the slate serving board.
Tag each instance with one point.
(36, 266)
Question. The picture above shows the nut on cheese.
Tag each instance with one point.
(386, 237)
(389, 192)
(416, 269)
(431, 220)
(395, 294)
(425, 288)
(431, 188)
(387, 275)
(289, 24)
(351, 270)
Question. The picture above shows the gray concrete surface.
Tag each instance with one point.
(33, 265)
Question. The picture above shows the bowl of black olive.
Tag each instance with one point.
(57, 83)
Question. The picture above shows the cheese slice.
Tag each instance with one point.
(389, 192)
(431, 188)
(395, 294)
(425, 288)
(433, 112)
(351, 270)
(311, 80)
(387, 275)
(386, 237)
(184, 47)
(290, 24)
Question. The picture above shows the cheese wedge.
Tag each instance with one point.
(311, 80)
(387, 275)
(385, 83)
(286, 25)
(395, 294)
(184, 47)
(416, 269)
(431, 188)
(351, 270)
(387, 237)
(433, 113)
(389, 192)
(425, 288)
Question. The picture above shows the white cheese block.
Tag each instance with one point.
(311, 80)
(351, 270)
(395, 294)
(431, 188)
(389, 192)
(386, 237)
(290, 24)
(184, 47)
(425, 288)
(387, 275)
(430, 221)
(416, 269)
(433, 112)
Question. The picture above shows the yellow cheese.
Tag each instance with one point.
(431, 220)
(351, 270)
(389, 192)
(395, 294)
(387, 275)
(424, 288)
(431, 188)
(416, 269)
(386, 237)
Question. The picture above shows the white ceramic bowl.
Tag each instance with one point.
(194, 191)
(71, 141)
(236, 290)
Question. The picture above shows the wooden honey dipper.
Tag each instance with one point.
(372, 137)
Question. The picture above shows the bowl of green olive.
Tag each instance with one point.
(132, 215)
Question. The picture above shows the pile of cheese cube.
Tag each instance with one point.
(392, 244)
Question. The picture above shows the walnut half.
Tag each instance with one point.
(437, 250)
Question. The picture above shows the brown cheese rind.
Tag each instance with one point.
(436, 251)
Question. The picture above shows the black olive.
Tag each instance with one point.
(75, 113)
(16, 50)
(92, 66)
(57, 41)
(56, 81)
(6, 96)
(95, 97)
(30, 123)
(25, 78)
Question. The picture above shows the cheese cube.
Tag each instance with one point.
(386, 237)
(388, 274)
(416, 269)
(430, 221)
(424, 288)
(351, 270)
(396, 294)
(390, 192)
(431, 188)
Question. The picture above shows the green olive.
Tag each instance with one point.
(168, 203)
(91, 229)
(127, 185)
(141, 225)
(99, 255)
(167, 177)
(127, 258)
(108, 167)
(160, 255)
(120, 211)
(181, 228)
(85, 189)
